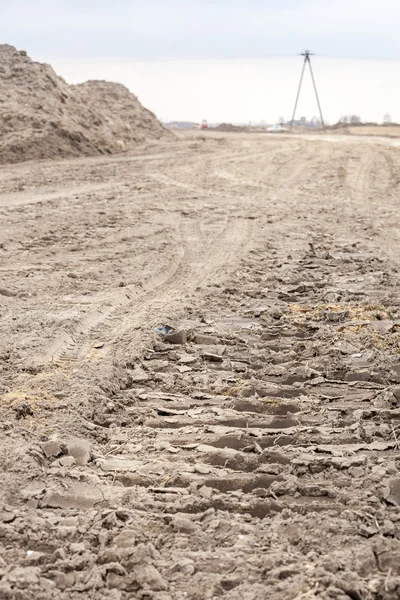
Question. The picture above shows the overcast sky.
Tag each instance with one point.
(160, 48)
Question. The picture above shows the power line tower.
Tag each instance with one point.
(307, 60)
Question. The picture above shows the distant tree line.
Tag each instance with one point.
(350, 119)
(355, 119)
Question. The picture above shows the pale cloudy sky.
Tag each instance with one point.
(224, 60)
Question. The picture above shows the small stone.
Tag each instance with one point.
(80, 450)
(52, 448)
(178, 337)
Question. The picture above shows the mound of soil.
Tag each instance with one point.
(41, 116)
(122, 112)
(230, 127)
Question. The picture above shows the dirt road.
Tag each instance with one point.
(260, 457)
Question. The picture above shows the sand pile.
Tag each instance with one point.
(123, 115)
(41, 116)
(229, 127)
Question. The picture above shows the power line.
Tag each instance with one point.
(307, 61)
(188, 58)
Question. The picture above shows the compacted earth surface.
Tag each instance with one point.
(200, 372)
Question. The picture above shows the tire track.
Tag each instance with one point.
(203, 262)
(285, 173)
(202, 252)
(197, 259)
(359, 182)
(73, 345)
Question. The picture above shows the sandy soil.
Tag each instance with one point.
(390, 130)
(259, 456)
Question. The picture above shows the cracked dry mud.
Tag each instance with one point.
(258, 458)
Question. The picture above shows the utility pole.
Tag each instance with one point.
(307, 60)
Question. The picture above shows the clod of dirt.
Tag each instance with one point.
(206, 340)
(184, 525)
(393, 495)
(7, 516)
(212, 357)
(67, 461)
(138, 375)
(23, 410)
(7, 293)
(178, 337)
(125, 539)
(52, 448)
(383, 326)
(396, 393)
(346, 348)
(77, 495)
(150, 576)
(80, 450)
(358, 376)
